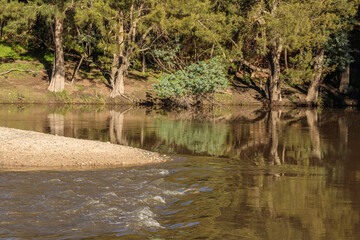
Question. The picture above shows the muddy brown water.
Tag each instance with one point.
(237, 173)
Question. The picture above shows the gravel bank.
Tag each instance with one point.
(20, 148)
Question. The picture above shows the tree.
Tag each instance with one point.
(296, 28)
(329, 20)
(200, 29)
(16, 19)
(124, 26)
(54, 12)
(273, 28)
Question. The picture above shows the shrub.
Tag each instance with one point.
(194, 84)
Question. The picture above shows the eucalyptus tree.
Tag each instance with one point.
(330, 19)
(192, 31)
(124, 27)
(275, 27)
(322, 46)
(265, 29)
(55, 11)
(280, 30)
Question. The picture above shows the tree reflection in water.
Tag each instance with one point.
(57, 124)
(275, 174)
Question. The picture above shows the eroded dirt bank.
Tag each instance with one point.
(20, 148)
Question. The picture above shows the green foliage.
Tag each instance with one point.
(13, 52)
(173, 35)
(16, 18)
(301, 70)
(193, 84)
(167, 54)
(7, 51)
(338, 51)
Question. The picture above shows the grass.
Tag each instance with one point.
(32, 67)
(223, 98)
(80, 87)
(19, 87)
(15, 95)
(17, 52)
(63, 96)
(23, 66)
(10, 53)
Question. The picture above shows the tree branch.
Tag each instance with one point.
(251, 66)
(20, 70)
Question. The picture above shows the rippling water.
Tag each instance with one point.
(238, 173)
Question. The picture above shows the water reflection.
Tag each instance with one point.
(116, 130)
(56, 124)
(263, 137)
(312, 120)
(240, 173)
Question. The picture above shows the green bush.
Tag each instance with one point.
(194, 84)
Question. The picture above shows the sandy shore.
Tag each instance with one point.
(20, 148)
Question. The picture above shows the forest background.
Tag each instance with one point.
(181, 53)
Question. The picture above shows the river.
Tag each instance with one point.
(236, 173)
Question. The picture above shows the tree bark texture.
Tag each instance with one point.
(118, 88)
(345, 80)
(57, 82)
(313, 91)
(120, 64)
(274, 82)
(143, 63)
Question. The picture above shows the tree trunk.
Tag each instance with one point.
(274, 83)
(114, 69)
(57, 83)
(120, 64)
(313, 91)
(118, 88)
(143, 63)
(345, 80)
(1, 28)
(77, 69)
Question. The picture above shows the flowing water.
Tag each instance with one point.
(238, 173)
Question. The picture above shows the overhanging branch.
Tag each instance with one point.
(251, 66)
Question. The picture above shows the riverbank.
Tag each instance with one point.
(91, 87)
(20, 148)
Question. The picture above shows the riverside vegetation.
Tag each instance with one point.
(177, 52)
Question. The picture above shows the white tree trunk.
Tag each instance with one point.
(57, 82)
(119, 88)
(274, 83)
